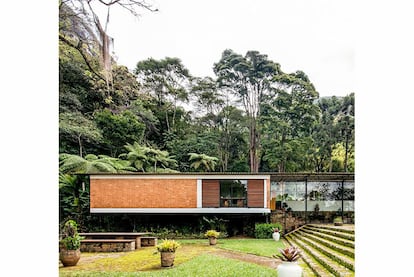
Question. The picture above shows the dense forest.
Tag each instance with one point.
(251, 117)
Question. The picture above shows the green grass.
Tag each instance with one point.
(203, 265)
(140, 260)
(193, 258)
(260, 247)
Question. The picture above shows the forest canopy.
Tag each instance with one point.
(251, 117)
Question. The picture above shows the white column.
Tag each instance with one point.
(199, 193)
(264, 194)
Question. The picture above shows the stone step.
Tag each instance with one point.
(334, 233)
(307, 271)
(346, 250)
(326, 262)
(330, 237)
(334, 255)
(315, 267)
(333, 228)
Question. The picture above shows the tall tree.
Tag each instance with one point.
(209, 101)
(249, 78)
(119, 129)
(325, 134)
(345, 124)
(80, 28)
(233, 139)
(168, 80)
(288, 120)
(74, 127)
(334, 133)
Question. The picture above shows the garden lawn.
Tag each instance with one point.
(139, 260)
(260, 247)
(193, 258)
(203, 265)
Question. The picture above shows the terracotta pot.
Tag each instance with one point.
(213, 240)
(69, 257)
(289, 269)
(167, 259)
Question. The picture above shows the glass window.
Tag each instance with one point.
(324, 196)
(288, 195)
(233, 193)
(349, 191)
(349, 196)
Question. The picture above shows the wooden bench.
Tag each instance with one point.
(107, 245)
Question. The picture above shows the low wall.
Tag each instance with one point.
(107, 246)
(291, 221)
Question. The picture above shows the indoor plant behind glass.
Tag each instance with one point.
(69, 244)
(289, 267)
(338, 221)
(167, 250)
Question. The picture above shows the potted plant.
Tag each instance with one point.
(276, 234)
(212, 236)
(69, 244)
(338, 221)
(289, 267)
(167, 249)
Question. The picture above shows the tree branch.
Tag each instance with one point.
(79, 48)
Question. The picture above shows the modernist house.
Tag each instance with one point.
(181, 193)
(312, 196)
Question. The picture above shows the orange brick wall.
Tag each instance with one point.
(143, 193)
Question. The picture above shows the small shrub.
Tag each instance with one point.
(70, 239)
(289, 254)
(265, 230)
(167, 246)
(212, 234)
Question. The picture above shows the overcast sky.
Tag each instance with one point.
(316, 37)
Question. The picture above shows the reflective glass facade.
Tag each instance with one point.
(315, 200)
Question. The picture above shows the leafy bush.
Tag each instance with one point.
(265, 230)
(216, 223)
(70, 239)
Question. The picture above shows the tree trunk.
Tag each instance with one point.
(254, 141)
(80, 145)
(167, 121)
(346, 152)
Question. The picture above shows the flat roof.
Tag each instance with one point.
(274, 176)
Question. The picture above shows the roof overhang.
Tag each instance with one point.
(183, 210)
(274, 176)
